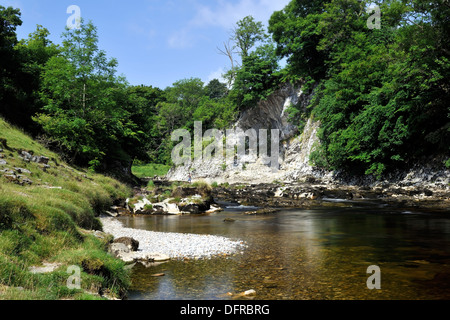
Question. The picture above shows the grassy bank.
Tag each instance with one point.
(150, 170)
(47, 213)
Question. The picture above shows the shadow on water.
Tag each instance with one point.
(300, 254)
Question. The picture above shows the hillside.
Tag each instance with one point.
(48, 211)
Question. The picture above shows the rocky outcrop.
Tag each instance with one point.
(295, 151)
(272, 196)
(269, 114)
(272, 112)
(168, 200)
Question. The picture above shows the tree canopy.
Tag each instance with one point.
(381, 95)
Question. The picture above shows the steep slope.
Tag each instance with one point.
(48, 211)
(295, 150)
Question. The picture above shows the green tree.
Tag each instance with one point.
(257, 78)
(33, 53)
(247, 33)
(216, 90)
(9, 62)
(84, 100)
(381, 93)
(295, 31)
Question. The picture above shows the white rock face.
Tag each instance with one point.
(294, 150)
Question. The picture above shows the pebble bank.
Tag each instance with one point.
(175, 245)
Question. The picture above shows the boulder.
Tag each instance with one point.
(184, 192)
(118, 248)
(195, 208)
(130, 243)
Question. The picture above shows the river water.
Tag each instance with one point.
(319, 254)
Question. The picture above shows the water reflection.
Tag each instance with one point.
(307, 254)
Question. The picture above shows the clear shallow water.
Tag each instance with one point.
(306, 254)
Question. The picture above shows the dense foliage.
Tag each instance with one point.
(382, 94)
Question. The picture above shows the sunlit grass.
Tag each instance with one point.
(47, 222)
(150, 170)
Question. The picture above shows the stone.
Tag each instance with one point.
(111, 214)
(22, 170)
(100, 234)
(132, 244)
(26, 155)
(157, 257)
(25, 181)
(118, 249)
(11, 178)
(249, 292)
(43, 160)
(184, 192)
(3, 162)
(141, 257)
(194, 208)
(46, 268)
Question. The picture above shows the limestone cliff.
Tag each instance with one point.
(269, 114)
(295, 151)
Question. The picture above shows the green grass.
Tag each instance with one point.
(49, 221)
(150, 170)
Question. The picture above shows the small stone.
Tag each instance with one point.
(11, 178)
(249, 292)
(112, 214)
(22, 170)
(25, 180)
(42, 159)
(46, 268)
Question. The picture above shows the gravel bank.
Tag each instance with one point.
(175, 245)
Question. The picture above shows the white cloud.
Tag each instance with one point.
(12, 3)
(137, 29)
(181, 39)
(224, 14)
(216, 75)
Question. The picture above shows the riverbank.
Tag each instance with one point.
(317, 194)
(48, 214)
(174, 245)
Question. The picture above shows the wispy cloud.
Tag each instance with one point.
(218, 74)
(223, 14)
(227, 13)
(12, 3)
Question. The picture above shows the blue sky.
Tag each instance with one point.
(156, 42)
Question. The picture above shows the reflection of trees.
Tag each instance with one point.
(318, 254)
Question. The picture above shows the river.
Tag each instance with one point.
(313, 254)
